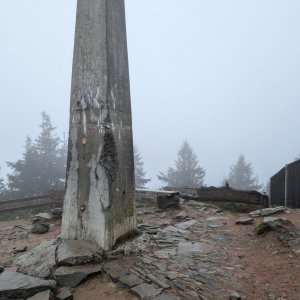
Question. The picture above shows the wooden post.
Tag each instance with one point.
(286, 180)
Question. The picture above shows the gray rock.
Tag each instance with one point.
(131, 280)
(172, 275)
(180, 284)
(235, 296)
(160, 266)
(245, 221)
(181, 215)
(47, 295)
(165, 253)
(146, 291)
(213, 226)
(44, 216)
(172, 228)
(114, 270)
(187, 248)
(40, 228)
(72, 252)
(272, 223)
(166, 201)
(64, 294)
(40, 261)
(1, 268)
(20, 249)
(157, 281)
(74, 275)
(275, 222)
(57, 212)
(272, 297)
(267, 211)
(186, 225)
(15, 285)
(164, 296)
(296, 252)
(190, 295)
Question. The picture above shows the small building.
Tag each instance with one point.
(285, 186)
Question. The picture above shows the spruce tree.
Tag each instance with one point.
(42, 166)
(25, 177)
(140, 179)
(2, 187)
(241, 176)
(187, 172)
(47, 145)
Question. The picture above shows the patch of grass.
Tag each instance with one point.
(262, 228)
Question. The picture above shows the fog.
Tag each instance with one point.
(224, 75)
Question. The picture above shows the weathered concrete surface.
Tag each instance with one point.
(40, 261)
(71, 252)
(99, 203)
(73, 276)
(19, 286)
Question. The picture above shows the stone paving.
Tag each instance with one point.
(193, 252)
(185, 264)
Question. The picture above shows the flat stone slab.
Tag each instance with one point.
(172, 228)
(114, 270)
(38, 262)
(44, 216)
(72, 253)
(186, 225)
(267, 211)
(15, 285)
(131, 280)
(164, 296)
(64, 294)
(74, 275)
(185, 248)
(146, 291)
(159, 282)
(47, 295)
(165, 253)
(245, 221)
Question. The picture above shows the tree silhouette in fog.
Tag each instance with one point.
(187, 172)
(43, 164)
(140, 174)
(2, 187)
(241, 175)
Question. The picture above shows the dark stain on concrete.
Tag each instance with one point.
(109, 156)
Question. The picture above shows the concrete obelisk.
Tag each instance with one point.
(99, 201)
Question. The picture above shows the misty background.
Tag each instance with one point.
(224, 75)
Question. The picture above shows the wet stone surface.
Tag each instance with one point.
(185, 264)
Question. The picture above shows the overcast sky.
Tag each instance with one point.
(224, 75)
